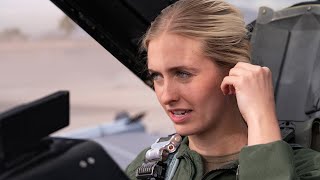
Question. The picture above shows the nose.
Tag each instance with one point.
(168, 93)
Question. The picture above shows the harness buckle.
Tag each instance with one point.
(163, 147)
(155, 166)
(151, 170)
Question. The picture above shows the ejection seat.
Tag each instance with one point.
(288, 42)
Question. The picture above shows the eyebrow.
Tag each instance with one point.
(175, 68)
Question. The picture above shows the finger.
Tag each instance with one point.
(251, 70)
(230, 89)
(227, 82)
(233, 90)
(238, 71)
(247, 66)
(267, 71)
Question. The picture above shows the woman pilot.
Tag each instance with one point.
(199, 61)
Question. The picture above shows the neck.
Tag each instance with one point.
(230, 136)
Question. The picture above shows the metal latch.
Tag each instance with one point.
(154, 166)
(161, 149)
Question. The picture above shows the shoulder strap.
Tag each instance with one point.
(173, 163)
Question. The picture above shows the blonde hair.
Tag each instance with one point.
(218, 25)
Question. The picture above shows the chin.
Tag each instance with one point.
(184, 130)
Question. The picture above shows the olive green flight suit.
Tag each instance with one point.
(272, 161)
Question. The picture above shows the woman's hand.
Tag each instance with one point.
(252, 86)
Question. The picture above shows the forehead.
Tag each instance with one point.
(172, 49)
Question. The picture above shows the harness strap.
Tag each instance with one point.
(172, 167)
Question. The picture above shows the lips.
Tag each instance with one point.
(179, 115)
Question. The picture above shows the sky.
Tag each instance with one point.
(41, 16)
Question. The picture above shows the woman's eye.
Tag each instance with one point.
(183, 74)
(154, 76)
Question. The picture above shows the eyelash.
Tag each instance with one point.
(180, 74)
(183, 74)
(152, 76)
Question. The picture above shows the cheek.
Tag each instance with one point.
(203, 92)
(210, 94)
(207, 92)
